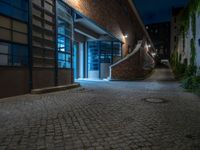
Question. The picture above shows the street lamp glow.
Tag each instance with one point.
(153, 54)
(126, 36)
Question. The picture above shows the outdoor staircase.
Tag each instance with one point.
(135, 65)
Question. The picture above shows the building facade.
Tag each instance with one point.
(181, 44)
(45, 43)
(177, 14)
(160, 35)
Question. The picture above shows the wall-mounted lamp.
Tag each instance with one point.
(153, 54)
(126, 36)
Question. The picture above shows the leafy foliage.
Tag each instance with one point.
(190, 11)
(192, 82)
(188, 74)
(193, 52)
(190, 71)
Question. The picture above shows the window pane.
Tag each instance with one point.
(16, 61)
(61, 56)
(68, 65)
(19, 50)
(5, 22)
(61, 30)
(18, 26)
(5, 34)
(48, 18)
(3, 59)
(117, 49)
(68, 48)
(62, 64)
(68, 57)
(48, 26)
(64, 37)
(61, 43)
(13, 54)
(48, 7)
(20, 38)
(4, 48)
(20, 55)
(93, 56)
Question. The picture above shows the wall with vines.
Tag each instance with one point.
(189, 18)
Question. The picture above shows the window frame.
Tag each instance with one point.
(64, 39)
(24, 57)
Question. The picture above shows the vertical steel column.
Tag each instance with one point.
(72, 47)
(84, 50)
(30, 55)
(56, 46)
(99, 49)
(112, 47)
(87, 60)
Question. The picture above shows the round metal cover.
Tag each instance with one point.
(155, 100)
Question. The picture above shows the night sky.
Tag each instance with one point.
(154, 11)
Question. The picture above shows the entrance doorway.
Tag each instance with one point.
(95, 50)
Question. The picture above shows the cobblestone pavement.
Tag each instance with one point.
(103, 115)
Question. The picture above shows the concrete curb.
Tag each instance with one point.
(55, 88)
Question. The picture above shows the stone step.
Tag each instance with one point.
(55, 88)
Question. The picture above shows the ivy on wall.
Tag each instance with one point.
(190, 11)
(188, 74)
(189, 15)
(193, 52)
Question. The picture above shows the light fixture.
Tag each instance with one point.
(153, 54)
(126, 36)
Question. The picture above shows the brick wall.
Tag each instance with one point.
(115, 16)
(132, 67)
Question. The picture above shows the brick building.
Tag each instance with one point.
(46, 43)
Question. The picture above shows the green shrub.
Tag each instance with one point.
(190, 71)
(192, 82)
(179, 70)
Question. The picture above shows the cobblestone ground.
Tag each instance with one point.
(104, 115)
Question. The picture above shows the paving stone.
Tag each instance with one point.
(106, 115)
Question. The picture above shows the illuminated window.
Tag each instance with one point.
(64, 37)
(103, 52)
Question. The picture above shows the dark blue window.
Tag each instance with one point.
(106, 52)
(13, 54)
(102, 52)
(117, 49)
(93, 56)
(15, 8)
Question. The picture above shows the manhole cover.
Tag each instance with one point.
(155, 100)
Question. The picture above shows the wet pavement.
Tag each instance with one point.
(104, 115)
